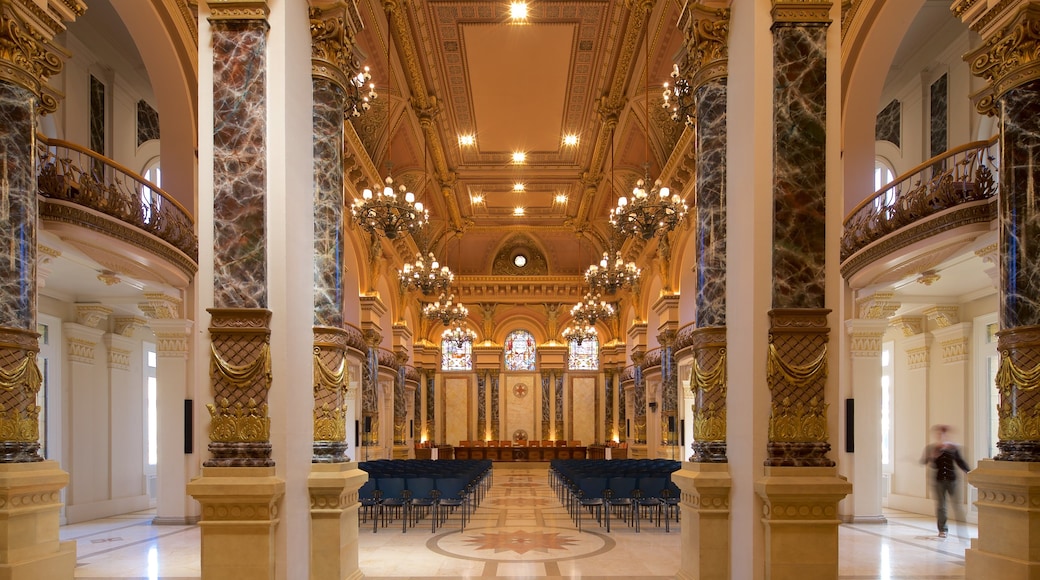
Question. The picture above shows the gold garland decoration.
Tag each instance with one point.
(712, 379)
(24, 373)
(799, 423)
(1010, 375)
(330, 424)
(795, 375)
(324, 378)
(19, 428)
(242, 376)
(709, 424)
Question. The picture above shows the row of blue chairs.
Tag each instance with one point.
(412, 489)
(627, 489)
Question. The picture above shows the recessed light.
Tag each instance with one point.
(518, 10)
(476, 199)
(561, 198)
(519, 157)
(467, 140)
(518, 187)
(570, 140)
(518, 211)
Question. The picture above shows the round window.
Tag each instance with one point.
(519, 260)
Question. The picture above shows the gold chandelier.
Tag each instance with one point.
(591, 310)
(446, 310)
(426, 275)
(459, 334)
(357, 100)
(580, 333)
(609, 276)
(679, 98)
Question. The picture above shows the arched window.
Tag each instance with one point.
(456, 355)
(883, 175)
(520, 353)
(151, 201)
(584, 355)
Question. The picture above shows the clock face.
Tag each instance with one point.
(519, 260)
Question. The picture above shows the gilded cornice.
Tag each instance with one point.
(28, 55)
(848, 14)
(1007, 58)
(519, 290)
(984, 19)
(802, 12)
(334, 27)
(238, 10)
(706, 43)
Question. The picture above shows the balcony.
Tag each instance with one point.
(141, 227)
(934, 208)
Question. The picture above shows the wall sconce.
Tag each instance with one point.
(653, 406)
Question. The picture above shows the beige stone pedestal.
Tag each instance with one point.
(334, 520)
(30, 509)
(240, 511)
(1008, 546)
(801, 521)
(704, 503)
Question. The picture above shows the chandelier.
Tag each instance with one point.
(425, 275)
(388, 212)
(580, 333)
(446, 310)
(591, 310)
(612, 275)
(679, 98)
(458, 334)
(357, 101)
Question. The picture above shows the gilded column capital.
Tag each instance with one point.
(92, 315)
(28, 55)
(238, 10)
(1008, 56)
(944, 315)
(705, 42)
(161, 306)
(909, 325)
(426, 113)
(879, 305)
(811, 12)
(334, 27)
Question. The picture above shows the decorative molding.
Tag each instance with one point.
(1008, 56)
(238, 10)
(706, 44)
(944, 316)
(80, 350)
(866, 337)
(991, 258)
(172, 337)
(877, 306)
(955, 342)
(92, 315)
(29, 57)
(118, 358)
(910, 325)
(161, 306)
(806, 12)
(917, 357)
(128, 325)
(334, 27)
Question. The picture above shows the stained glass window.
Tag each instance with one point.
(456, 356)
(583, 356)
(520, 354)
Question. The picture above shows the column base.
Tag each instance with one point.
(240, 507)
(801, 521)
(330, 452)
(239, 455)
(30, 508)
(709, 452)
(1008, 545)
(704, 503)
(334, 520)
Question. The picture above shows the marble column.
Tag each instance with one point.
(559, 425)
(609, 388)
(30, 500)
(482, 415)
(1009, 485)
(800, 489)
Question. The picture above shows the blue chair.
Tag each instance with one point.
(422, 489)
(395, 499)
(621, 500)
(454, 494)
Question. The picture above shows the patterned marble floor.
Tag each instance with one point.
(520, 531)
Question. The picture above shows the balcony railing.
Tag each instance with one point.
(75, 174)
(959, 176)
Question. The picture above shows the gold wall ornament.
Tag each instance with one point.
(19, 427)
(778, 370)
(242, 376)
(1008, 58)
(239, 423)
(330, 423)
(707, 381)
(798, 423)
(709, 424)
(706, 32)
(1010, 375)
(24, 374)
(326, 378)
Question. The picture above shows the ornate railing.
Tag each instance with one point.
(959, 176)
(75, 174)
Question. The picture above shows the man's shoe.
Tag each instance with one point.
(942, 534)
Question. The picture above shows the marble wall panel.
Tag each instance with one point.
(482, 387)
(329, 102)
(583, 410)
(711, 204)
(493, 392)
(147, 123)
(400, 407)
(608, 407)
(456, 406)
(18, 208)
(96, 116)
(560, 430)
(888, 125)
(239, 163)
(1019, 207)
(938, 122)
(800, 164)
(518, 392)
(431, 406)
(546, 402)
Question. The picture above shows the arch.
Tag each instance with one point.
(519, 243)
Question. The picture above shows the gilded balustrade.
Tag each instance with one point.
(68, 172)
(958, 176)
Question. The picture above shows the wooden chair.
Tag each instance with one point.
(574, 444)
(534, 443)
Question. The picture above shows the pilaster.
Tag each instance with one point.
(1008, 545)
(705, 489)
(865, 338)
(334, 520)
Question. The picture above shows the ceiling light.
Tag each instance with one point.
(561, 198)
(518, 187)
(679, 98)
(477, 199)
(518, 211)
(446, 310)
(570, 140)
(426, 275)
(612, 275)
(467, 140)
(518, 10)
(519, 157)
(458, 334)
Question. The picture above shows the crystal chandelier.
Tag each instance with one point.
(425, 275)
(458, 334)
(679, 98)
(591, 310)
(612, 275)
(580, 333)
(446, 310)
(388, 212)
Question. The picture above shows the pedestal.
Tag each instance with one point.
(240, 511)
(30, 506)
(801, 521)
(334, 520)
(704, 503)
(1008, 545)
